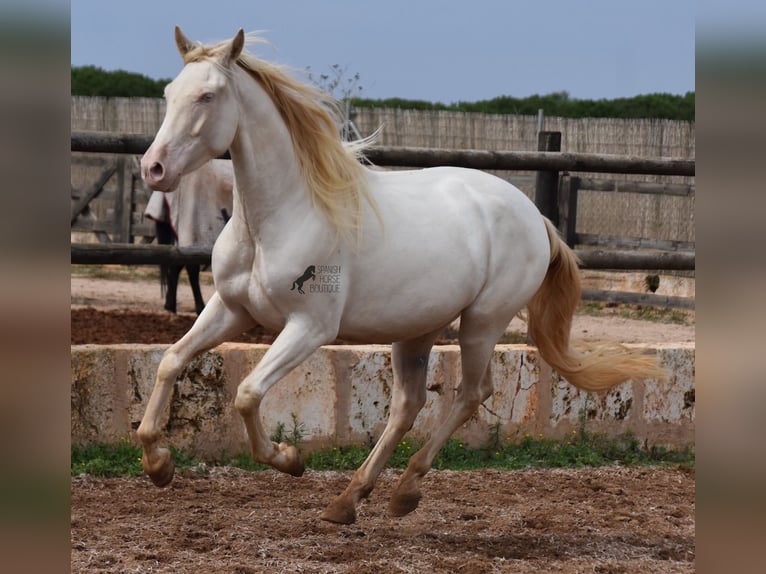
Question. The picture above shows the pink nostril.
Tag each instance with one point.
(157, 171)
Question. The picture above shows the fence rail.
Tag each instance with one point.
(130, 254)
(137, 254)
(107, 142)
(552, 162)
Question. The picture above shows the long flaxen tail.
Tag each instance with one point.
(592, 368)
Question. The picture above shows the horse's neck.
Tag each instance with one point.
(271, 192)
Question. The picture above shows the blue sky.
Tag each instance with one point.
(421, 49)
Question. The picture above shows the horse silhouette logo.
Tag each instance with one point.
(309, 273)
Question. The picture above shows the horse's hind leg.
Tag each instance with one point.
(477, 342)
(214, 326)
(410, 366)
(193, 272)
(172, 287)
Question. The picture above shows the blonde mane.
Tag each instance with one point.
(331, 167)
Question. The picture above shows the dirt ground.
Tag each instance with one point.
(115, 310)
(604, 520)
(225, 520)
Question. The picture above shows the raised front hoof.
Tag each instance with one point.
(289, 460)
(402, 503)
(339, 512)
(163, 469)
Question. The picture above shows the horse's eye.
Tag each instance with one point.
(206, 98)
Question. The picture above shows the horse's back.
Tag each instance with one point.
(462, 187)
(447, 201)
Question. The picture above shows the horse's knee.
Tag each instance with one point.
(170, 366)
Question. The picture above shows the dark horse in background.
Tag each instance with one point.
(192, 216)
(170, 273)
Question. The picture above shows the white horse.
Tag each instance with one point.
(412, 251)
(192, 216)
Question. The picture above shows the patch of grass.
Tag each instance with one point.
(133, 273)
(656, 314)
(580, 449)
(122, 459)
(340, 458)
(106, 460)
(508, 338)
(512, 338)
(121, 272)
(637, 312)
(244, 461)
(592, 308)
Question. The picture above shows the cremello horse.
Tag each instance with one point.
(414, 250)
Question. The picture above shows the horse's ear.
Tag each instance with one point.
(182, 42)
(235, 48)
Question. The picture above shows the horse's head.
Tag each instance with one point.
(202, 112)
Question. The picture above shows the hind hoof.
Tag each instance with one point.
(402, 503)
(339, 512)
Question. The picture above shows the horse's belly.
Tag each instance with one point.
(386, 332)
(384, 315)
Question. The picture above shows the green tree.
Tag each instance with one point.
(94, 81)
(664, 106)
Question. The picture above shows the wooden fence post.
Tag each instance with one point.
(92, 192)
(547, 182)
(122, 205)
(567, 208)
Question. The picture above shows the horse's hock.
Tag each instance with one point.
(341, 396)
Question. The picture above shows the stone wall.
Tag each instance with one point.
(341, 396)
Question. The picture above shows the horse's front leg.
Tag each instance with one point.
(299, 338)
(216, 323)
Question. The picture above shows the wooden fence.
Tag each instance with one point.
(568, 190)
(437, 129)
(660, 217)
(542, 161)
(556, 193)
(104, 142)
(118, 178)
(132, 254)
